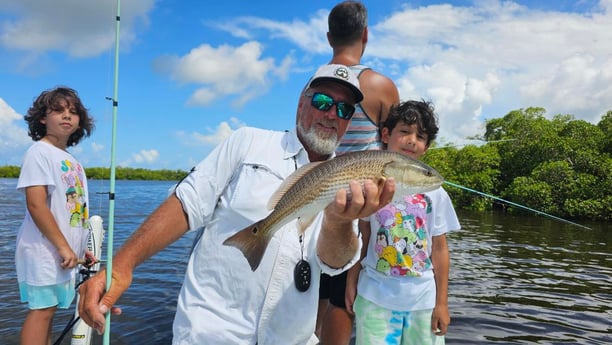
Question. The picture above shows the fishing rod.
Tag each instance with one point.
(111, 196)
(515, 204)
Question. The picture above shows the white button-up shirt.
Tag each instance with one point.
(222, 301)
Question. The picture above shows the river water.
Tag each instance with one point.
(515, 279)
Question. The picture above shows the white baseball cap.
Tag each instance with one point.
(339, 74)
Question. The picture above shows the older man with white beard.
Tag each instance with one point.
(222, 301)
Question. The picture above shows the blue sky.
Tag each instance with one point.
(191, 72)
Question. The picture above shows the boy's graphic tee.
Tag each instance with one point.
(402, 243)
(398, 271)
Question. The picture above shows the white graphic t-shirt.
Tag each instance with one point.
(398, 271)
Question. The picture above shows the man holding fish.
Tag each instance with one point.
(277, 211)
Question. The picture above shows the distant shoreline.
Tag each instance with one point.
(121, 173)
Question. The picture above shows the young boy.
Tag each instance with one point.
(53, 234)
(398, 291)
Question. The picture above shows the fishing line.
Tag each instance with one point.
(515, 204)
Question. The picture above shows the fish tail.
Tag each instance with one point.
(251, 245)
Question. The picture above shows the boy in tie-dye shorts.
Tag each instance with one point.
(398, 291)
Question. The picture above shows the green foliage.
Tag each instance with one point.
(441, 159)
(476, 167)
(578, 208)
(532, 193)
(583, 136)
(537, 141)
(136, 174)
(9, 171)
(606, 127)
(560, 166)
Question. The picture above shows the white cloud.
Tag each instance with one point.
(8, 115)
(213, 136)
(14, 139)
(475, 61)
(95, 147)
(79, 28)
(284, 68)
(488, 59)
(304, 34)
(481, 60)
(577, 84)
(458, 102)
(223, 71)
(145, 156)
(142, 157)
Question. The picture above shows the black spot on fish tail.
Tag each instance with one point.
(251, 245)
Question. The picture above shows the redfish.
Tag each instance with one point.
(311, 188)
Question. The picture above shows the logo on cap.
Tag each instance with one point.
(342, 73)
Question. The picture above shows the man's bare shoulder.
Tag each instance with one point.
(378, 86)
(379, 92)
(371, 77)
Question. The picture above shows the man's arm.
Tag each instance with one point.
(164, 226)
(338, 242)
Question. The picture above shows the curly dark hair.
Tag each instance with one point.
(50, 100)
(346, 22)
(412, 112)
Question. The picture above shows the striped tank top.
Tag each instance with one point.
(362, 133)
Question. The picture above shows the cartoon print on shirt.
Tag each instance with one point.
(401, 240)
(381, 242)
(383, 266)
(75, 196)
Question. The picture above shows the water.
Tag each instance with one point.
(514, 279)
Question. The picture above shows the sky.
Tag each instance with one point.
(191, 72)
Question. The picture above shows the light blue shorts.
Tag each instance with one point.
(376, 325)
(41, 297)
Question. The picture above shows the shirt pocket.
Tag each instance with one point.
(253, 186)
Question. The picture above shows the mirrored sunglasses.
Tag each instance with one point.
(324, 102)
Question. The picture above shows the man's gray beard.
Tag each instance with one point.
(315, 142)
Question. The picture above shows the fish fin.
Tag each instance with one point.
(251, 245)
(289, 182)
(304, 222)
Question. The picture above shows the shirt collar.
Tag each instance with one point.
(292, 145)
(294, 148)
